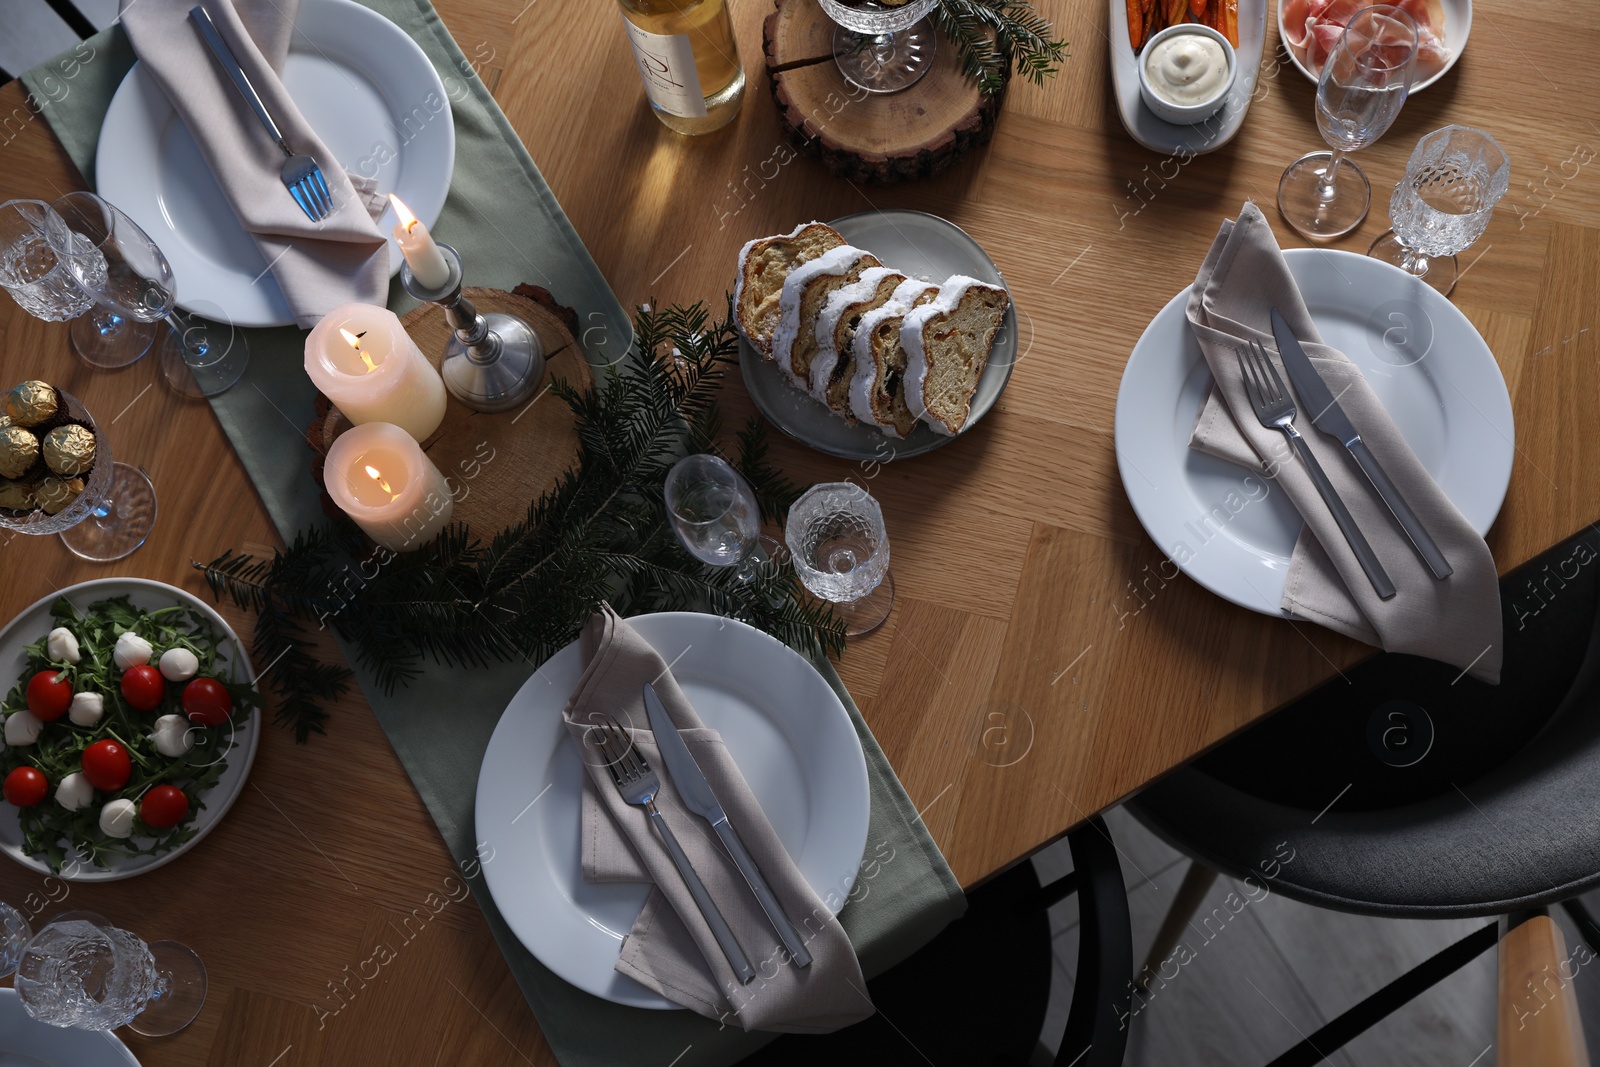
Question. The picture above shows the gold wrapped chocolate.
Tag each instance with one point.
(31, 403)
(54, 494)
(18, 449)
(17, 496)
(69, 449)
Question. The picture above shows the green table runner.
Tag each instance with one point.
(510, 229)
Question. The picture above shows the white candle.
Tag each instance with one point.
(418, 246)
(379, 476)
(364, 361)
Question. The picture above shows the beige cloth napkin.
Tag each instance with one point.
(318, 265)
(1456, 620)
(669, 946)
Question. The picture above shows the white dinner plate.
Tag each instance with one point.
(367, 89)
(1156, 133)
(27, 1042)
(782, 723)
(1427, 364)
(1457, 28)
(34, 622)
(918, 245)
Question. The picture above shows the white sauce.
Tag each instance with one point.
(1186, 69)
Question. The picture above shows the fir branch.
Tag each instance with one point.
(995, 37)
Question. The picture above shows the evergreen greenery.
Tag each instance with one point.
(996, 36)
(601, 533)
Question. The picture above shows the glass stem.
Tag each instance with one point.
(107, 322)
(1327, 182)
(1412, 261)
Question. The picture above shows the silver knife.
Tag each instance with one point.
(1329, 417)
(698, 798)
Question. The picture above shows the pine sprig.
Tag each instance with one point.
(601, 534)
(995, 37)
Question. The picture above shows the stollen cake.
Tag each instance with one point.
(805, 291)
(877, 394)
(947, 344)
(833, 365)
(763, 265)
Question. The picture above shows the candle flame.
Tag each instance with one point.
(408, 221)
(372, 472)
(355, 342)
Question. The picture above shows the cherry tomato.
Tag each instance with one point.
(49, 695)
(206, 701)
(107, 765)
(25, 787)
(143, 687)
(163, 806)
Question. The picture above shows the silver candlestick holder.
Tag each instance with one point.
(493, 361)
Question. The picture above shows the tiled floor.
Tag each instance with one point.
(1278, 970)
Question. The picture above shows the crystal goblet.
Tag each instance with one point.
(1362, 88)
(882, 47)
(36, 254)
(14, 934)
(714, 513)
(1453, 180)
(840, 548)
(99, 977)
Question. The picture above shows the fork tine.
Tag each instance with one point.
(1249, 382)
(319, 190)
(299, 198)
(310, 190)
(1282, 392)
(322, 187)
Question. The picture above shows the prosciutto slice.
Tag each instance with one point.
(1312, 28)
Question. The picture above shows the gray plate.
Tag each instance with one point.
(922, 246)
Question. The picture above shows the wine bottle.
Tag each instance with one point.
(688, 60)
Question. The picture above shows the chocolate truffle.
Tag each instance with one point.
(54, 494)
(18, 449)
(31, 403)
(16, 496)
(69, 449)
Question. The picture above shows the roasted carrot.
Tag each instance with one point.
(1177, 11)
(1230, 21)
(1135, 25)
(1197, 8)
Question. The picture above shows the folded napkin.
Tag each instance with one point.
(318, 265)
(1456, 620)
(670, 945)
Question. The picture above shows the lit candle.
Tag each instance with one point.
(363, 360)
(379, 476)
(419, 247)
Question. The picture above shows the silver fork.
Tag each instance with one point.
(301, 175)
(1275, 408)
(638, 785)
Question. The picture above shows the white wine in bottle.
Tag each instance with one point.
(686, 55)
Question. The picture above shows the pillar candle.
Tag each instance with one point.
(379, 476)
(364, 361)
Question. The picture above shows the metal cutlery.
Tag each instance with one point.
(698, 797)
(1275, 409)
(1329, 417)
(301, 175)
(637, 784)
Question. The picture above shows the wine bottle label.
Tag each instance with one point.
(666, 63)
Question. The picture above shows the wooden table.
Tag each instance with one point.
(1038, 666)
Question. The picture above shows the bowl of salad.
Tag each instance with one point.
(130, 721)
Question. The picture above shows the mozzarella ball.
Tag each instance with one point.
(170, 735)
(116, 819)
(74, 793)
(86, 708)
(22, 728)
(131, 651)
(179, 664)
(62, 646)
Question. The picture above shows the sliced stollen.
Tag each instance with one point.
(805, 291)
(877, 383)
(832, 366)
(947, 344)
(764, 263)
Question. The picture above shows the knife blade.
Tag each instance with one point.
(699, 798)
(1326, 414)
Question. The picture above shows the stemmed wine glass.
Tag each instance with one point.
(1453, 180)
(880, 47)
(841, 553)
(1362, 88)
(14, 934)
(95, 976)
(106, 517)
(135, 282)
(715, 515)
(31, 269)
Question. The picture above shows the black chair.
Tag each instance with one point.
(1406, 790)
(975, 996)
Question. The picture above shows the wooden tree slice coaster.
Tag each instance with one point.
(496, 464)
(870, 137)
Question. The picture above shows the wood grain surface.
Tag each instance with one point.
(1040, 663)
